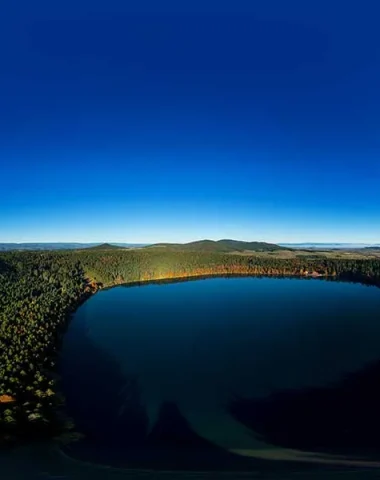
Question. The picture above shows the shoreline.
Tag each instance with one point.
(92, 287)
(367, 281)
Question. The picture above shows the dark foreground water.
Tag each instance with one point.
(167, 364)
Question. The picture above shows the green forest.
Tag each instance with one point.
(40, 290)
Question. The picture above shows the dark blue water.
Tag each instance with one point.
(199, 343)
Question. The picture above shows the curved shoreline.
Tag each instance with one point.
(367, 282)
(281, 453)
(92, 287)
(284, 456)
(49, 460)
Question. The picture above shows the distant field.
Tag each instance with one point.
(346, 254)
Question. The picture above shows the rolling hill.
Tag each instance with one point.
(59, 246)
(222, 246)
(106, 246)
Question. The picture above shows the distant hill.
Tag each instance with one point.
(223, 246)
(43, 246)
(329, 246)
(106, 246)
(58, 246)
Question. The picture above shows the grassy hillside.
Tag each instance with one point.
(222, 246)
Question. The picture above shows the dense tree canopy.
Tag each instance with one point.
(38, 291)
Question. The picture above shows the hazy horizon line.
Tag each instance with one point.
(188, 241)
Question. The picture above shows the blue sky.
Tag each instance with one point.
(175, 121)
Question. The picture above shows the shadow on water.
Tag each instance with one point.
(108, 410)
(105, 403)
(341, 418)
(173, 444)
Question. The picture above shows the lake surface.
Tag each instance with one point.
(142, 359)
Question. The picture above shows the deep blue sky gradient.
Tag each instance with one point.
(175, 121)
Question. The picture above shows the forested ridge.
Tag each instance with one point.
(38, 291)
(223, 246)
